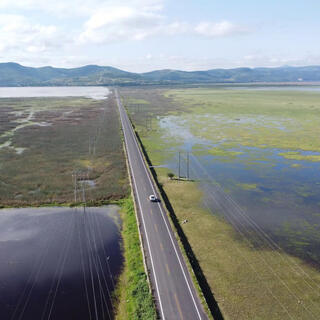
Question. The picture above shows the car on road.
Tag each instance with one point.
(152, 198)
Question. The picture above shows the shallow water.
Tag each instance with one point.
(97, 93)
(58, 263)
(257, 187)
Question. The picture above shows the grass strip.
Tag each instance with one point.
(135, 298)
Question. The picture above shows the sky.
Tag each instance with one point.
(145, 35)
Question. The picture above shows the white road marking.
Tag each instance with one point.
(144, 226)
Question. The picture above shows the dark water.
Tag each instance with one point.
(58, 263)
(259, 193)
(284, 203)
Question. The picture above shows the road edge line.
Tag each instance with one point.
(147, 239)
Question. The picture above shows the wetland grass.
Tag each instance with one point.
(285, 120)
(62, 135)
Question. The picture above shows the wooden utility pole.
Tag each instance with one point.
(179, 166)
(188, 165)
(186, 160)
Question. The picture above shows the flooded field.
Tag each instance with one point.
(261, 147)
(281, 195)
(59, 263)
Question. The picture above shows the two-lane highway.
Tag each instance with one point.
(171, 282)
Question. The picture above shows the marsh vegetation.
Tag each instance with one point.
(49, 146)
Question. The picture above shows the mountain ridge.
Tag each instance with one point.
(14, 74)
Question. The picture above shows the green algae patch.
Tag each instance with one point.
(292, 155)
(248, 186)
(224, 153)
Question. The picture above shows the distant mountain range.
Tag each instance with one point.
(13, 74)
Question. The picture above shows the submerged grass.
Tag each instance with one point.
(298, 156)
(135, 299)
(248, 186)
(224, 153)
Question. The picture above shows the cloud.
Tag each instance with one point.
(75, 7)
(76, 27)
(118, 23)
(219, 29)
(105, 21)
(17, 32)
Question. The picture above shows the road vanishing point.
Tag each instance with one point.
(172, 286)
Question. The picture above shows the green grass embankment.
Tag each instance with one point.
(135, 299)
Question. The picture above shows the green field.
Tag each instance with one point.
(247, 282)
(50, 145)
(255, 118)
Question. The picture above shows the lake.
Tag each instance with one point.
(97, 93)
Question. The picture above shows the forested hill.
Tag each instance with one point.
(13, 74)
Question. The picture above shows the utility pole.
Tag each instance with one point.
(74, 178)
(148, 122)
(186, 160)
(188, 165)
(82, 176)
(94, 145)
(179, 166)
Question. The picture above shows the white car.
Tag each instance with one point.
(152, 198)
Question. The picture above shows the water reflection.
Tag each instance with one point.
(58, 263)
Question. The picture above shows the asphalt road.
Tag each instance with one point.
(171, 282)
